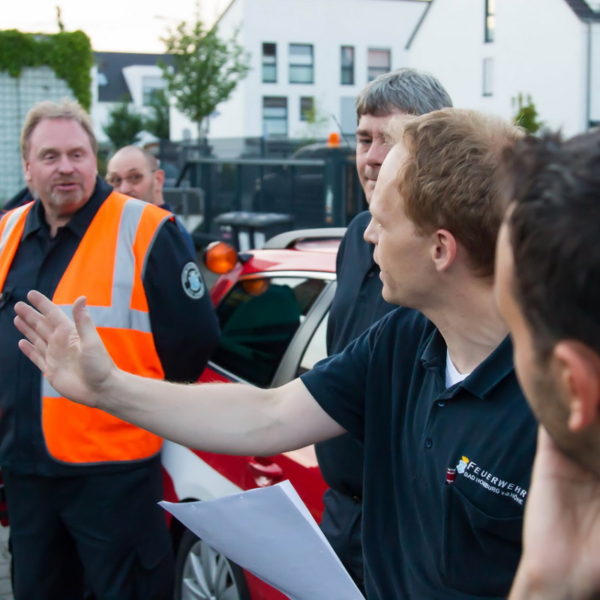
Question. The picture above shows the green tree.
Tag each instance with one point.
(157, 122)
(205, 70)
(527, 115)
(68, 54)
(124, 125)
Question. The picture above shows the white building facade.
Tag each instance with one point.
(309, 60)
(487, 53)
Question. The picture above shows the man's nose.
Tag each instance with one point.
(370, 234)
(124, 187)
(65, 165)
(377, 152)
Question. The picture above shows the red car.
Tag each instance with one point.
(272, 309)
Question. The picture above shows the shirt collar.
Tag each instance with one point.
(497, 366)
(79, 222)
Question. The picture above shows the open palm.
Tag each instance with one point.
(69, 353)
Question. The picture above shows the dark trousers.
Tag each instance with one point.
(342, 526)
(102, 533)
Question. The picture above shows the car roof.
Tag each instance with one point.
(308, 256)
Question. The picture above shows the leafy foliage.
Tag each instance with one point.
(69, 54)
(124, 125)
(527, 114)
(205, 71)
(157, 122)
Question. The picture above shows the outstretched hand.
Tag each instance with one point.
(561, 545)
(69, 353)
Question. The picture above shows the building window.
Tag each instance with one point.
(490, 20)
(347, 63)
(275, 116)
(269, 63)
(307, 108)
(150, 86)
(378, 63)
(488, 77)
(301, 63)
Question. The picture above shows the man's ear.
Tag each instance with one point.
(578, 368)
(443, 249)
(26, 171)
(159, 178)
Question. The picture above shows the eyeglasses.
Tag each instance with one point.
(131, 179)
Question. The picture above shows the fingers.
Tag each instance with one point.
(22, 324)
(83, 322)
(31, 323)
(41, 322)
(32, 353)
(47, 308)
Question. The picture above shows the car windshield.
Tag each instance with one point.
(258, 319)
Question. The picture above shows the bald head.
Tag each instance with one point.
(134, 172)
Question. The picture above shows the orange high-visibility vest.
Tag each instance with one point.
(107, 268)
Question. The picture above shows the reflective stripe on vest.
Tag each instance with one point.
(12, 226)
(107, 268)
(10, 221)
(119, 314)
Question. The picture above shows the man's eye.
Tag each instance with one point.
(364, 141)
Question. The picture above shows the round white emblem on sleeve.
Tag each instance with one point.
(191, 279)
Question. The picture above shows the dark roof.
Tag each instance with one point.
(418, 25)
(582, 9)
(111, 65)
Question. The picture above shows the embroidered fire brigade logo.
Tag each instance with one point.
(462, 465)
(490, 481)
(192, 282)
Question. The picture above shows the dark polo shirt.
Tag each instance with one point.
(446, 470)
(356, 306)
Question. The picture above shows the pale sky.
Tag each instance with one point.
(112, 25)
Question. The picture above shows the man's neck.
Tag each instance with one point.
(470, 324)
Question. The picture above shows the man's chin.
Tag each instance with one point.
(68, 202)
(369, 188)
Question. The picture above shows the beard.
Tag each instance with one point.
(553, 411)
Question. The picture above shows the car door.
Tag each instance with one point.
(269, 323)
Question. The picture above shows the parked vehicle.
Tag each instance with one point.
(273, 309)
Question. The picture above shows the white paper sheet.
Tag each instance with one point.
(270, 532)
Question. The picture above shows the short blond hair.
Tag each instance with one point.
(63, 109)
(452, 178)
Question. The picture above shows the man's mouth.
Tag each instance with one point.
(65, 186)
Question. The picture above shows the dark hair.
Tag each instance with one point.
(555, 238)
(406, 90)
